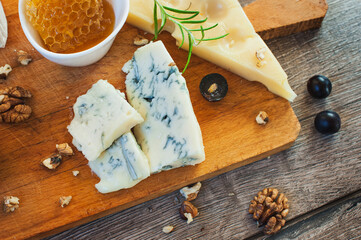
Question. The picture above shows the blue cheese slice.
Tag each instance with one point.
(3, 27)
(101, 116)
(121, 166)
(170, 136)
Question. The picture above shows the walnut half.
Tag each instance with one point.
(270, 208)
(12, 107)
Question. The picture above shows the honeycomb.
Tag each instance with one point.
(66, 25)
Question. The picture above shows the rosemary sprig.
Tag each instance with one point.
(181, 23)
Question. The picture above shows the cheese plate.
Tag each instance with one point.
(231, 136)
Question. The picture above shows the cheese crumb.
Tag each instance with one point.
(65, 200)
(168, 229)
(191, 193)
(10, 204)
(75, 173)
(189, 217)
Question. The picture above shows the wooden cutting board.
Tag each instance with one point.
(231, 136)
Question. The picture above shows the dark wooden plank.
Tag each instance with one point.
(315, 171)
(277, 18)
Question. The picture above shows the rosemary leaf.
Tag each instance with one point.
(181, 22)
(179, 10)
(182, 31)
(195, 21)
(155, 15)
(186, 18)
(205, 29)
(212, 39)
(191, 41)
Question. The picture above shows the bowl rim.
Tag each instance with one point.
(37, 46)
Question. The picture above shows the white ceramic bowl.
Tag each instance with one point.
(79, 59)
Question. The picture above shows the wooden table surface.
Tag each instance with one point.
(319, 174)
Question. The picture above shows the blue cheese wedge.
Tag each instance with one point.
(3, 27)
(170, 135)
(101, 116)
(121, 166)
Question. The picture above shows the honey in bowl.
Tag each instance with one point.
(69, 26)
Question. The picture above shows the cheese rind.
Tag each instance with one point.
(236, 52)
(101, 116)
(170, 136)
(3, 27)
(121, 166)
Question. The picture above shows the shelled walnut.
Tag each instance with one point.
(260, 57)
(64, 149)
(23, 57)
(168, 229)
(139, 40)
(65, 200)
(11, 204)
(5, 71)
(262, 118)
(270, 208)
(188, 211)
(191, 192)
(12, 107)
(52, 162)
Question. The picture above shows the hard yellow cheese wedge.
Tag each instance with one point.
(242, 52)
(3, 27)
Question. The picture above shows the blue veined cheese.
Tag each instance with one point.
(123, 165)
(3, 27)
(101, 116)
(170, 135)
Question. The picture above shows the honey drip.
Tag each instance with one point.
(68, 26)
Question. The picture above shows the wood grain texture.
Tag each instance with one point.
(342, 217)
(317, 170)
(270, 18)
(231, 136)
(277, 18)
